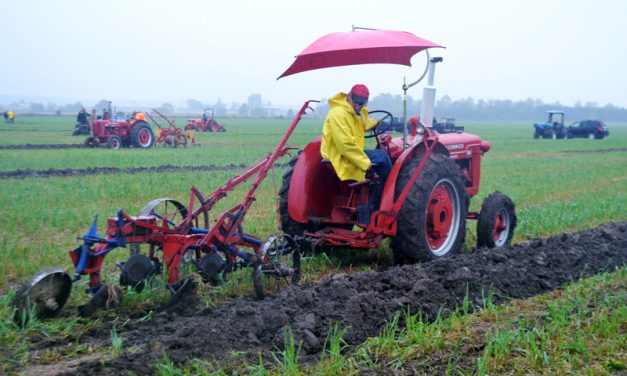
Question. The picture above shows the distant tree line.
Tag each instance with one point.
(492, 109)
(463, 109)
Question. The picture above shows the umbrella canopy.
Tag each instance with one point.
(359, 47)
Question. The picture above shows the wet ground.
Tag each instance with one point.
(362, 303)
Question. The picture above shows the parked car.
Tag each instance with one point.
(588, 129)
(553, 127)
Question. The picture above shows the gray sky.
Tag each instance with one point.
(157, 50)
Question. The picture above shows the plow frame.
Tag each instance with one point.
(167, 133)
(225, 236)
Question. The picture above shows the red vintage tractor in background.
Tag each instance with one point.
(424, 207)
(170, 136)
(116, 133)
(207, 123)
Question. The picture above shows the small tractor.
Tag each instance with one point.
(552, 128)
(116, 132)
(170, 136)
(207, 123)
(424, 206)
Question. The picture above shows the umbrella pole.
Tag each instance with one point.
(405, 87)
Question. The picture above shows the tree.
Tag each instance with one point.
(166, 108)
(243, 110)
(103, 104)
(37, 107)
(195, 105)
(219, 108)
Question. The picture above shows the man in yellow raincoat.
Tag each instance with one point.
(343, 137)
(343, 141)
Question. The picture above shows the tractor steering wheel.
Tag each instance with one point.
(385, 122)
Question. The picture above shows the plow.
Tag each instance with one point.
(423, 208)
(170, 136)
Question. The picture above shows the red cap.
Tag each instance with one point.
(413, 119)
(360, 90)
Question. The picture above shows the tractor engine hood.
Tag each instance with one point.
(458, 145)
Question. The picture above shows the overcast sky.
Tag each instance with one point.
(169, 51)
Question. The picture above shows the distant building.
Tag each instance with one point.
(254, 103)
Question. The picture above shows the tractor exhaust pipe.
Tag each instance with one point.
(428, 95)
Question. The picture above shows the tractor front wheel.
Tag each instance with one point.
(114, 142)
(142, 136)
(432, 221)
(497, 221)
(92, 142)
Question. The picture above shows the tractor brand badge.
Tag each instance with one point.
(455, 146)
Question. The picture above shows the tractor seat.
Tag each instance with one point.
(370, 176)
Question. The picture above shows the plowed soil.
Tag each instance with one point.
(362, 303)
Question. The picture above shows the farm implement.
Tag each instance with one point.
(422, 207)
(171, 135)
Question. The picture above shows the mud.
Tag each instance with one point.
(362, 303)
(67, 172)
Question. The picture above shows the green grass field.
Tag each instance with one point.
(557, 186)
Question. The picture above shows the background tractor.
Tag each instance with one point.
(446, 125)
(117, 132)
(207, 123)
(553, 127)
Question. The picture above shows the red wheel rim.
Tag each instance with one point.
(144, 137)
(501, 228)
(442, 210)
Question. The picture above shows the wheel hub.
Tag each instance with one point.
(501, 228)
(439, 216)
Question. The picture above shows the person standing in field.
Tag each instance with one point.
(6, 117)
(11, 116)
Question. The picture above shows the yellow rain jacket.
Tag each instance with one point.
(343, 138)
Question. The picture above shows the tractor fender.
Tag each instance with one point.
(311, 185)
(387, 200)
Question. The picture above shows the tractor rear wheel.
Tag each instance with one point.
(432, 222)
(497, 221)
(114, 142)
(142, 136)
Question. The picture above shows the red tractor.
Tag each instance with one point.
(207, 123)
(424, 207)
(116, 133)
